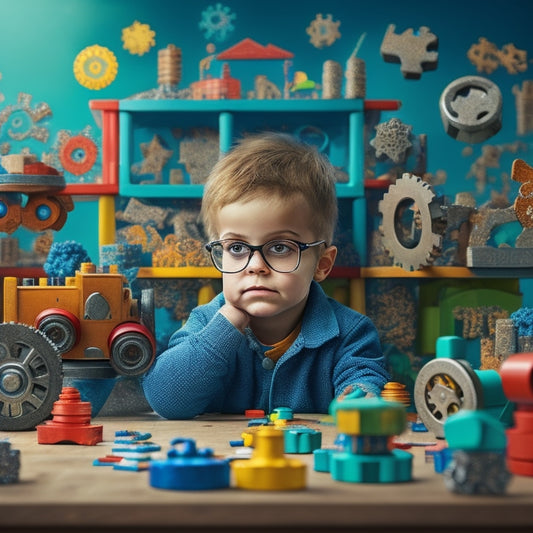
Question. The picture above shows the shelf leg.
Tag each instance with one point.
(106, 220)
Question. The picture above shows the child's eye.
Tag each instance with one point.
(281, 247)
(237, 248)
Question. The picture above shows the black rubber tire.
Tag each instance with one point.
(31, 377)
(131, 354)
(60, 330)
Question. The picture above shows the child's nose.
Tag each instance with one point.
(257, 262)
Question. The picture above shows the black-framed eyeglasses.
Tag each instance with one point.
(282, 255)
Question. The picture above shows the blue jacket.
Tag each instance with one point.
(210, 366)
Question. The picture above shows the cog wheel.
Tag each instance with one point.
(31, 376)
(323, 31)
(217, 22)
(409, 209)
(95, 67)
(21, 120)
(138, 38)
(442, 388)
(78, 154)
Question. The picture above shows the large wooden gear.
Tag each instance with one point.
(409, 208)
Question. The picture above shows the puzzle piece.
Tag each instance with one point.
(416, 52)
(524, 107)
(513, 59)
(155, 157)
(523, 204)
(484, 55)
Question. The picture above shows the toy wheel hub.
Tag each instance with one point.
(132, 356)
(442, 388)
(12, 381)
(445, 399)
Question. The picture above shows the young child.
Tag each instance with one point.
(272, 338)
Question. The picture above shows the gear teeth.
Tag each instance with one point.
(427, 248)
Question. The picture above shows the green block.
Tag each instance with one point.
(474, 431)
(368, 468)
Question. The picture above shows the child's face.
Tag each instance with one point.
(258, 289)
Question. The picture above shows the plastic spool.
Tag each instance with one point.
(355, 78)
(331, 80)
(169, 65)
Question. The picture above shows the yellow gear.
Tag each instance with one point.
(95, 67)
(138, 38)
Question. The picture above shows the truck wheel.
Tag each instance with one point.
(61, 327)
(132, 352)
(31, 377)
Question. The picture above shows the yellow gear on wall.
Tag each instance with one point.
(95, 67)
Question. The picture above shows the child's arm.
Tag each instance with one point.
(361, 367)
(196, 367)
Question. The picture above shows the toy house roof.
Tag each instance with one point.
(250, 49)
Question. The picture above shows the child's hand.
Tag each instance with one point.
(239, 318)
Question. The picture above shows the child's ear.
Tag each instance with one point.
(325, 263)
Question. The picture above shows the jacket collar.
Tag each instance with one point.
(319, 323)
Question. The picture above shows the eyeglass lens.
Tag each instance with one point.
(233, 256)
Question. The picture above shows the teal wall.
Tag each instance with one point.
(40, 39)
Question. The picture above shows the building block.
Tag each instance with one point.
(268, 468)
(366, 453)
(132, 450)
(189, 468)
(70, 422)
(475, 431)
(478, 464)
(254, 413)
(258, 422)
(301, 440)
(392, 467)
(477, 473)
(135, 450)
(281, 413)
(9, 463)
(517, 379)
(369, 416)
(321, 460)
(440, 456)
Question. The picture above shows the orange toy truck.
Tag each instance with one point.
(92, 317)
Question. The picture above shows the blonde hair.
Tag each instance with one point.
(273, 164)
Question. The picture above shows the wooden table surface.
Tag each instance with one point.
(61, 490)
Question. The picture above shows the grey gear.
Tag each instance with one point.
(417, 246)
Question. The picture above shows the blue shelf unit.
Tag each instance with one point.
(335, 126)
